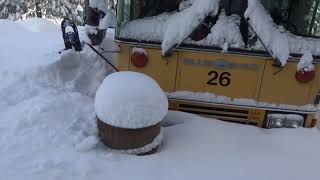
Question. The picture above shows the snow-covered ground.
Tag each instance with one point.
(47, 125)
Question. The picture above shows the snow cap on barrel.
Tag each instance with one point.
(130, 100)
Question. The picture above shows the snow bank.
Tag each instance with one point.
(8, 26)
(23, 50)
(130, 100)
(181, 24)
(267, 31)
(39, 25)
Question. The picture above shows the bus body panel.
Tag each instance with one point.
(314, 95)
(163, 70)
(231, 75)
(234, 76)
(280, 86)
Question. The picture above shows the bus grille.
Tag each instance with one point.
(218, 112)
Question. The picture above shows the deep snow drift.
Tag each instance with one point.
(48, 131)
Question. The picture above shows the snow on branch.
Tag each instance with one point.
(267, 31)
(182, 24)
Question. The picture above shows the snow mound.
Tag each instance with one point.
(79, 72)
(130, 100)
(268, 32)
(10, 27)
(39, 25)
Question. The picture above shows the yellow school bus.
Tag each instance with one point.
(241, 83)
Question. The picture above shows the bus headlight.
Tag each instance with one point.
(294, 121)
(284, 121)
(275, 122)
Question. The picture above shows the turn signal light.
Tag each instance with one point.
(139, 58)
(305, 76)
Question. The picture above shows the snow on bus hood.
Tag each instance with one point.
(220, 37)
(181, 24)
(170, 28)
(152, 29)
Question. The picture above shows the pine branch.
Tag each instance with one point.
(3, 5)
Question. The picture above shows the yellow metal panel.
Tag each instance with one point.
(315, 87)
(234, 76)
(309, 121)
(163, 70)
(257, 116)
(282, 87)
(122, 58)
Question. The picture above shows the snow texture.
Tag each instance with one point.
(146, 29)
(91, 29)
(225, 33)
(40, 25)
(130, 100)
(80, 8)
(305, 63)
(69, 29)
(109, 20)
(185, 4)
(51, 9)
(300, 45)
(181, 24)
(139, 50)
(212, 98)
(101, 5)
(262, 23)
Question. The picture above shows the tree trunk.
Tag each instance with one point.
(38, 10)
(314, 14)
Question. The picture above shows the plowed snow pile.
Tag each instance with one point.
(48, 131)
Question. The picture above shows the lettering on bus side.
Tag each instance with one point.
(220, 78)
(221, 64)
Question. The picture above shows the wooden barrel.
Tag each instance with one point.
(127, 139)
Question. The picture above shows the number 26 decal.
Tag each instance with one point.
(224, 79)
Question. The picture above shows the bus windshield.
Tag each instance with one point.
(129, 10)
(299, 17)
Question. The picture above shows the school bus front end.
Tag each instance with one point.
(240, 88)
(240, 85)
